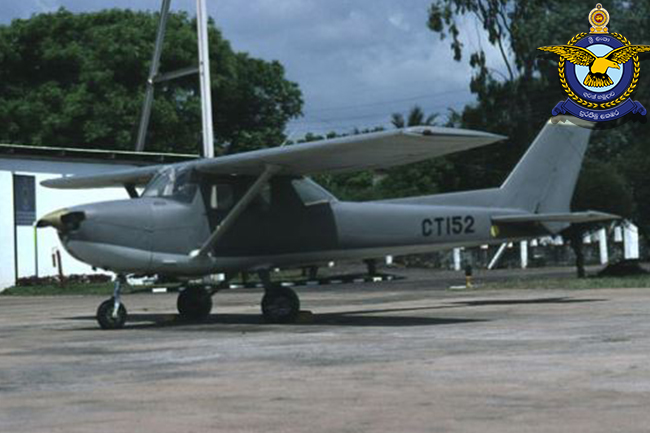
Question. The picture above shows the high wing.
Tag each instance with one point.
(131, 177)
(357, 152)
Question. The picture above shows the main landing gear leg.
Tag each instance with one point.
(111, 313)
(280, 304)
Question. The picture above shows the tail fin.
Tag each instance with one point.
(544, 179)
(541, 183)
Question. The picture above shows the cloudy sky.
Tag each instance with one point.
(356, 61)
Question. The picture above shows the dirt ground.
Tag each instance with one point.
(402, 356)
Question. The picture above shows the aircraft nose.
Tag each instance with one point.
(62, 220)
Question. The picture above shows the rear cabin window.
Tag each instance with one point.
(310, 192)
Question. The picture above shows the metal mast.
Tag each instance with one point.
(204, 76)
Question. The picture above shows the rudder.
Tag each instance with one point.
(545, 178)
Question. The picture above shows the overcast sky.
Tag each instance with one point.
(356, 61)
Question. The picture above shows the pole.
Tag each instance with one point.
(602, 243)
(523, 251)
(153, 72)
(60, 268)
(456, 259)
(35, 251)
(13, 192)
(630, 242)
(204, 77)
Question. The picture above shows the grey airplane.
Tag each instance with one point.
(256, 211)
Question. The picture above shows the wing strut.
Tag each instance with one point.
(130, 188)
(497, 256)
(240, 207)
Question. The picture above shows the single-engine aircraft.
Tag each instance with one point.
(255, 211)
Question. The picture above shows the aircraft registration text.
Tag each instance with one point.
(448, 225)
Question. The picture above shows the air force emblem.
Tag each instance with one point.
(599, 71)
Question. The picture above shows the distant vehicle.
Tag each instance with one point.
(255, 211)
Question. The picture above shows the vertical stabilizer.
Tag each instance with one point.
(544, 179)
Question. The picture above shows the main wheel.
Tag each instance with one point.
(280, 305)
(105, 316)
(194, 303)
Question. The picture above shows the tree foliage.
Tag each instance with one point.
(78, 80)
(415, 117)
(516, 98)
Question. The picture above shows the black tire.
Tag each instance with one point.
(280, 305)
(105, 315)
(194, 303)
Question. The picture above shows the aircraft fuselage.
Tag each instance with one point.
(156, 235)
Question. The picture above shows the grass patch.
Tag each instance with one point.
(69, 289)
(106, 289)
(632, 282)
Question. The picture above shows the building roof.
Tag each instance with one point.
(90, 155)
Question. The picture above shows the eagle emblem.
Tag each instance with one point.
(598, 66)
(599, 71)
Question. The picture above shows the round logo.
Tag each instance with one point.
(599, 71)
(602, 83)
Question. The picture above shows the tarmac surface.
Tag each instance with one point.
(402, 356)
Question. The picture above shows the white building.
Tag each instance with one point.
(27, 252)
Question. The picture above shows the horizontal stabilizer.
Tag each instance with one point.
(352, 153)
(572, 217)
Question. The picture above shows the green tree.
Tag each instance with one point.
(517, 98)
(415, 117)
(78, 80)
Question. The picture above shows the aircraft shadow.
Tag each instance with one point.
(357, 318)
(386, 317)
(487, 302)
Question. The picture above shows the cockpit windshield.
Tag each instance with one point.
(174, 183)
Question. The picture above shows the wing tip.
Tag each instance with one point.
(50, 183)
(567, 120)
(432, 131)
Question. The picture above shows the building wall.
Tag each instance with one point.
(6, 230)
(47, 200)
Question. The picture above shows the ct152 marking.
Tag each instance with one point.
(448, 225)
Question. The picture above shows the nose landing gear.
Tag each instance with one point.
(111, 314)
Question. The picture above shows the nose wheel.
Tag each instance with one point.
(111, 314)
(194, 303)
(110, 318)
